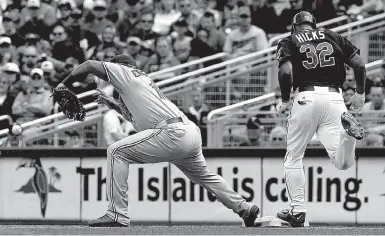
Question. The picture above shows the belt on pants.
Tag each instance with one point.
(169, 121)
(314, 88)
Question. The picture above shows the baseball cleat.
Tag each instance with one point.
(250, 219)
(351, 126)
(297, 220)
(105, 221)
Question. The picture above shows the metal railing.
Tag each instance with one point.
(325, 24)
(221, 119)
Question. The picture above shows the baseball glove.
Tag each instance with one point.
(69, 103)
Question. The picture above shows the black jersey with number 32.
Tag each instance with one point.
(318, 57)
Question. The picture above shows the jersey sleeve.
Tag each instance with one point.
(348, 49)
(284, 51)
(119, 76)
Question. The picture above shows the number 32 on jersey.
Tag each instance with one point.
(318, 55)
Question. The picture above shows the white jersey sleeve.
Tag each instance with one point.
(119, 76)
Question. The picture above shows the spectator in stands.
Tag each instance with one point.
(144, 29)
(29, 57)
(6, 101)
(216, 39)
(181, 31)
(255, 133)
(75, 140)
(278, 136)
(109, 40)
(115, 126)
(130, 23)
(322, 10)
(377, 102)
(7, 51)
(182, 50)
(97, 21)
(191, 15)
(45, 11)
(35, 103)
(41, 45)
(212, 7)
(69, 21)
(163, 58)
(286, 17)
(164, 19)
(347, 94)
(64, 48)
(370, 7)
(134, 46)
(11, 72)
(36, 24)
(198, 112)
(11, 31)
(14, 12)
(200, 48)
(263, 14)
(246, 38)
(49, 73)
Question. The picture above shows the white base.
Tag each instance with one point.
(271, 221)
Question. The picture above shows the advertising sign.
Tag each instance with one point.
(39, 188)
(147, 190)
(371, 173)
(193, 203)
(330, 194)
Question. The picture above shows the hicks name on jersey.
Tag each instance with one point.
(309, 36)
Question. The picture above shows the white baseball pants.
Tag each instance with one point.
(313, 112)
(177, 143)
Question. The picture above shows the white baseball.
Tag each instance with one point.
(16, 129)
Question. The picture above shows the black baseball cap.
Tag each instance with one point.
(181, 22)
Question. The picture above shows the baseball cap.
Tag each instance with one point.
(47, 66)
(124, 59)
(5, 40)
(100, 3)
(134, 39)
(37, 71)
(244, 11)
(7, 16)
(254, 123)
(33, 3)
(181, 22)
(11, 67)
(64, 4)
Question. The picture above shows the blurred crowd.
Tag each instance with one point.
(41, 41)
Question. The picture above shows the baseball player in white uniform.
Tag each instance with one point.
(312, 62)
(164, 135)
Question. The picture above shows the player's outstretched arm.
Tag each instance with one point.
(88, 67)
(358, 66)
(285, 79)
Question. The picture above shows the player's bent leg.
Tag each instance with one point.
(195, 168)
(332, 134)
(141, 148)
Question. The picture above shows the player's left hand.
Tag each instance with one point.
(282, 106)
(356, 102)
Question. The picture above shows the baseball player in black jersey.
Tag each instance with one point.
(311, 62)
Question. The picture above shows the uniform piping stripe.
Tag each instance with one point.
(137, 142)
(107, 73)
(112, 184)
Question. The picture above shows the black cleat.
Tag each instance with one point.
(250, 219)
(351, 126)
(297, 220)
(105, 221)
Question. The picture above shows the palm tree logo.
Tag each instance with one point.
(38, 183)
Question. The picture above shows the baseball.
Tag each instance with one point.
(16, 129)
